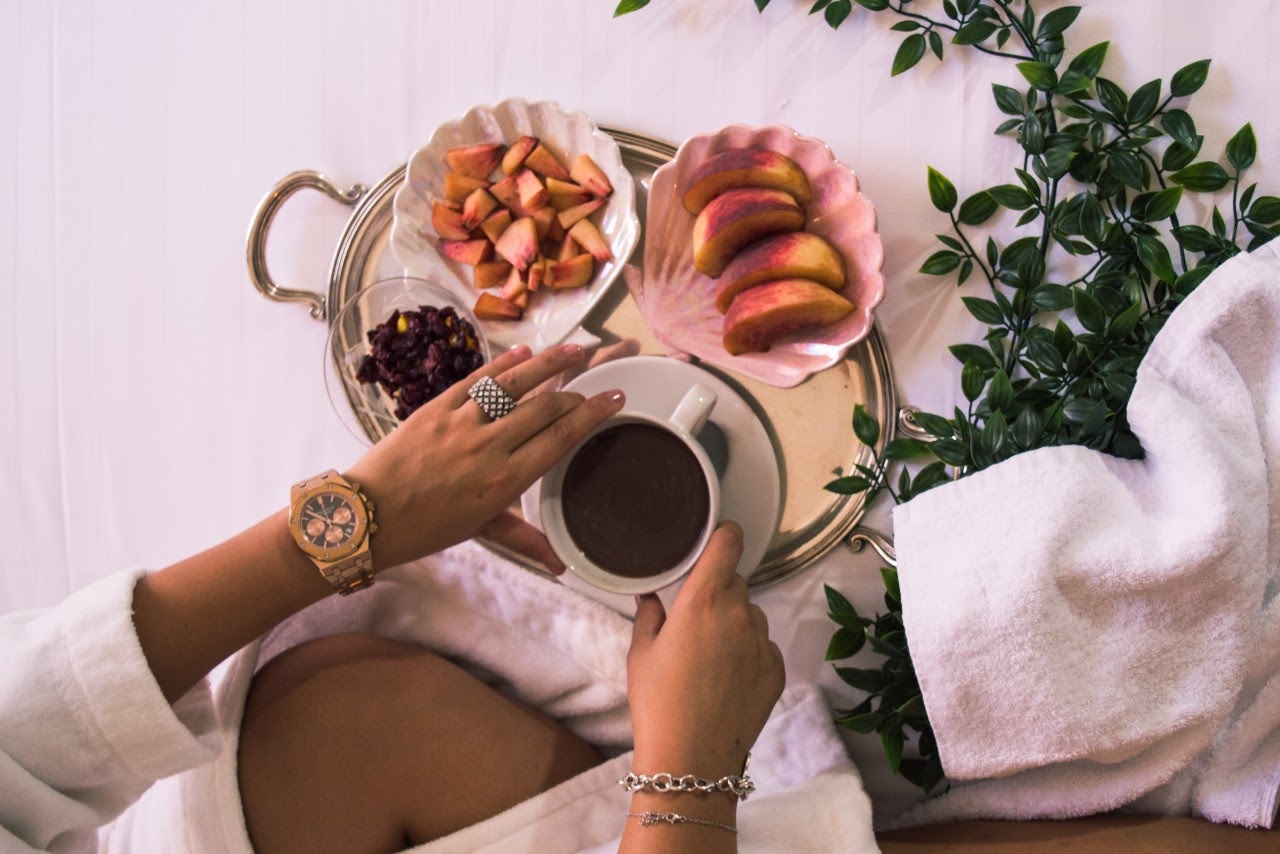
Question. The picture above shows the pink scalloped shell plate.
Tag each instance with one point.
(678, 303)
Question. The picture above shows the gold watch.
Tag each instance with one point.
(331, 520)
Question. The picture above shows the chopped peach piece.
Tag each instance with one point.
(516, 154)
(492, 307)
(573, 273)
(568, 248)
(475, 161)
(519, 243)
(569, 216)
(448, 222)
(495, 224)
(458, 187)
(490, 274)
(589, 236)
(542, 220)
(477, 206)
(546, 164)
(532, 194)
(589, 175)
(466, 251)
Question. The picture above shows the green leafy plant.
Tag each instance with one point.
(1104, 253)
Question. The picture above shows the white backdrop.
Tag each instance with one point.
(151, 403)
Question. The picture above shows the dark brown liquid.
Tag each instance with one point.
(635, 500)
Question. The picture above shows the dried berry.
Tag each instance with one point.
(416, 355)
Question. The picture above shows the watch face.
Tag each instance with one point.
(328, 521)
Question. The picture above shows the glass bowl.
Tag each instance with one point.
(365, 409)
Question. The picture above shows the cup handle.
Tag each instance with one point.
(694, 409)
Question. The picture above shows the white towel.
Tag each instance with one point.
(1091, 633)
(555, 649)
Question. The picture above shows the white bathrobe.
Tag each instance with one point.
(85, 730)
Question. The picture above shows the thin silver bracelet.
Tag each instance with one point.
(649, 819)
(740, 786)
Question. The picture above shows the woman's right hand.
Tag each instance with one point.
(703, 679)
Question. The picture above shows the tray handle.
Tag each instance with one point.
(256, 251)
(860, 537)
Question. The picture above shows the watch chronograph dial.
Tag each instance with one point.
(328, 520)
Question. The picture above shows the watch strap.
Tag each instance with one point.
(348, 576)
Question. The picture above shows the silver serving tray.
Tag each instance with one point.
(810, 425)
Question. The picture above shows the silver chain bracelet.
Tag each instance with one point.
(740, 786)
(649, 819)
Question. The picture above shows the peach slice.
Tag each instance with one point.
(490, 274)
(477, 206)
(569, 216)
(496, 223)
(745, 167)
(794, 255)
(448, 223)
(566, 194)
(514, 286)
(475, 161)
(537, 274)
(759, 316)
(529, 189)
(492, 307)
(572, 273)
(568, 248)
(505, 191)
(519, 150)
(519, 243)
(736, 218)
(542, 219)
(546, 164)
(458, 187)
(555, 233)
(586, 173)
(591, 240)
(466, 251)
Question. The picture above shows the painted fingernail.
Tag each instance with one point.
(615, 396)
(571, 349)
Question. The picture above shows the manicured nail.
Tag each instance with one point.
(616, 396)
(571, 349)
(521, 350)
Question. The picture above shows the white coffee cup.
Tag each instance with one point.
(683, 424)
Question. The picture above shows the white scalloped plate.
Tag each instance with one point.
(552, 318)
(678, 302)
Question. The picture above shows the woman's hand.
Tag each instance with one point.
(449, 471)
(702, 679)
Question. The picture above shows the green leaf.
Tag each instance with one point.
(840, 608)
(837, 12)
(626, 7)
(1155, 257)
(1026, 429)
(863, 679)
(845, 643)
(905, 27)
(1111, 97)
(1194, 238)
(1127, 169)
(865, 427)
(874, 5)
(1189, 78)
(1163, 204)
(1057, 160)
(1179, 125)
(1081, 409)
(1265, 209)
(953, 452)
(905, 449)
(1089, 311)
(909, 52)
(1203, 177)
(974, 32)
(1177, 156)
(1011, 196)
(1056, 21)
(848, 485)
(977, 209)
(1039, 74)
(1008, 100)
(1242, 148)
(984, 309)
(1051, 297)
(1088, 62)
(818, 6)
(1142, 105)
(972, 352)
(760, 4)
(1126, 321)
(934, 425)
(893, 741)
(940, 263)
(941, 191)
(865, 723)
(1000, 391)
(972, 381)
(935, 43)
(889, 576)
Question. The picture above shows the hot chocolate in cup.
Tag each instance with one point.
(631, 508)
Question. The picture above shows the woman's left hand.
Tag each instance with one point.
(449, 472)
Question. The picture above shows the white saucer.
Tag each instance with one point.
(750, 490)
